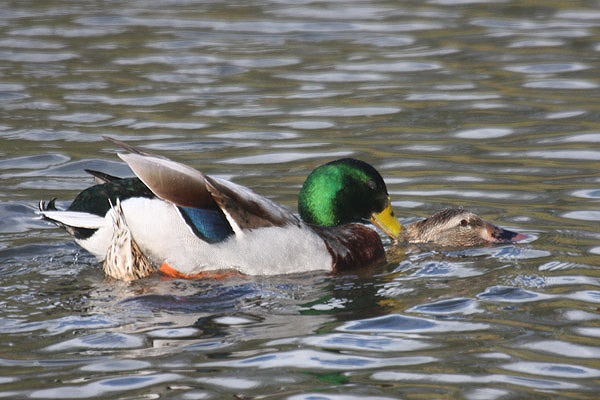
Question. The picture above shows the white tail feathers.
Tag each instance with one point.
(76, 219)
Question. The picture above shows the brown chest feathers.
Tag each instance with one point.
(352, 245)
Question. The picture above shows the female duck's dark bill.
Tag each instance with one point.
(499, 235)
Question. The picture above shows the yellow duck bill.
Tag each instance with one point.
(387, 222)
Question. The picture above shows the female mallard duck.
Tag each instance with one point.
(192, 223)
(456, 227)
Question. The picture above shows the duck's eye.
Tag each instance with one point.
(464, 222)
(372, 185)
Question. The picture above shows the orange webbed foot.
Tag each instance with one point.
(171, 272)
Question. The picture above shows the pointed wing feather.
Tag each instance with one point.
(102, 177)
(170, 180)
(130, 148)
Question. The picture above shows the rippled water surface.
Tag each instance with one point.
(492, 105)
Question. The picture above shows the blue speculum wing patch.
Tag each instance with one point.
(210, 225)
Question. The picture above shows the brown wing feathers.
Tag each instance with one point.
(187, 187)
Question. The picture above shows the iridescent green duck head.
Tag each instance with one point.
(346, 191)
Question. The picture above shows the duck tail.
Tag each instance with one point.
(47, 206)
(68, 219)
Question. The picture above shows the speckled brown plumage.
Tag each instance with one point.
(456, 227)
(124, 259)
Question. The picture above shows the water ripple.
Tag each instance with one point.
(484, 133)
(21, 43)
(402, 323)
(463, 306)
(173, 333)
(103, 340)
(467, 193)
(312, 359)
(345, 341)
(535, 383)
(75, 32)
(512, 295)
(335, 77)
(167, 59)
(57, 326)
(548, 68)
(116, 365)
(386, 41)
(593, 137)
(573, 154)
(347, 111)
(168, 125)
(562, 348)
(328, 396)
(231, 382)
(565, 114)
(400, 66)
(36, 57)
(105, 386)
(248, 111)
(553, 369)
(570, 84)
(81, 117)
(585, 14)
(584, 215)
(151, 100)
(277, 158)
(441, 96)
(536, 43)
(350, 11)
(307, 124)
(36, 161)
(261, 26)
(438, 269)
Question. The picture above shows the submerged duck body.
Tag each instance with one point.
(195, 222)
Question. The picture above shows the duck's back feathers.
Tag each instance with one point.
(246, 209)
(98, 198)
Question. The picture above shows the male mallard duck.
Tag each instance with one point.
(456, 227)
(192, 223)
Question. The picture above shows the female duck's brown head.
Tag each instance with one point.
(458, 228)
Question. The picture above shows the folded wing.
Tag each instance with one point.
(187, 187)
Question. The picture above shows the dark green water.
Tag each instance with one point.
(490, 105)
